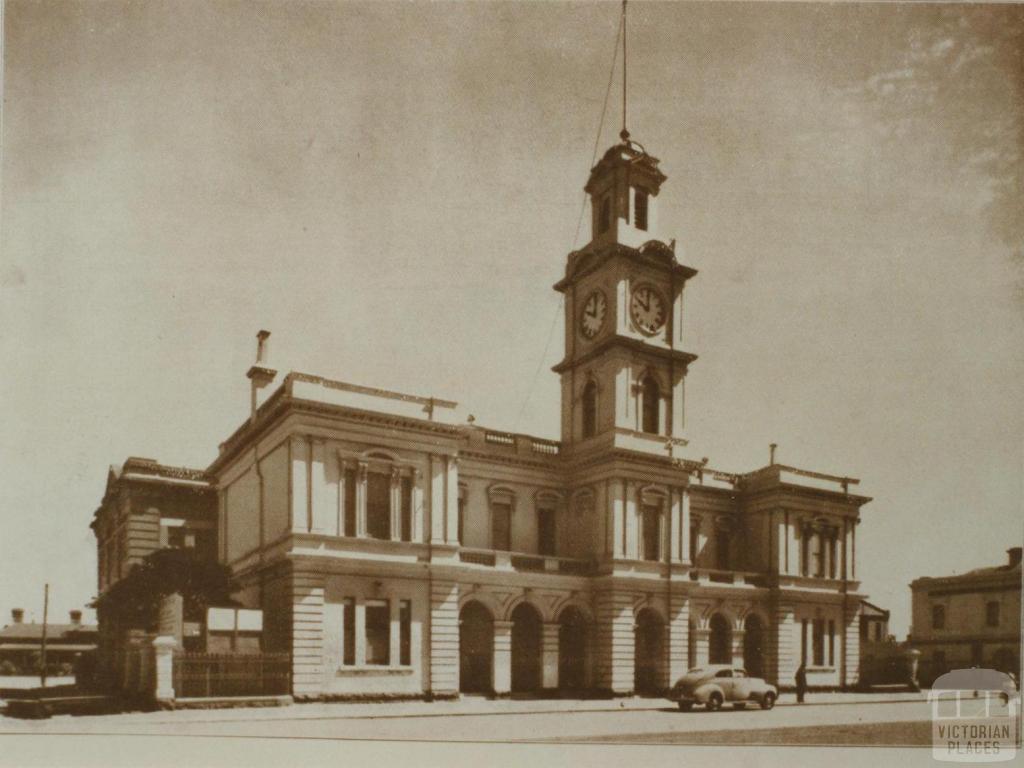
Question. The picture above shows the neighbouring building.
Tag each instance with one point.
(883, 661)
(968, 620)
(874, 625)
(146, 506)
(398, 549)
(21, 644)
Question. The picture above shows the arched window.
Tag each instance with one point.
(650, 395)
(589, 409)
(604, 219)
(640, 210)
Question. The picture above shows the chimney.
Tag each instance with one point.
(1014, 553)
(17, 615)
(76, 617)
(771, 453)
(260, 374)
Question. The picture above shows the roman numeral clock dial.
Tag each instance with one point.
(592, 317)
(647, 308)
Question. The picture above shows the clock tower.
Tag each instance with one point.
(623, 371)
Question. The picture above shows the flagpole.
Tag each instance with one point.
(42, 655)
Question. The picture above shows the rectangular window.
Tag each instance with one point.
(722, 550)
(378, 505)
(938, 617)
(350, 502)
(640, 210)
(546, 532)
(651, 532)
(992, 614)
(405, 633)
(348, 632)
(501, 526)
(817, 562)
(462, 519)
(406, 509)
(831, 643)
(863, 629)
(694, 542)
(378, 632)
(819, 642)
(832, 559)
(805, 551)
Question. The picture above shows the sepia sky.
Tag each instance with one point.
(392, 190)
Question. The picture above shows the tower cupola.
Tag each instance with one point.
(623, 189)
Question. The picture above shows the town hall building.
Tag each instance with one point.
(398, 550)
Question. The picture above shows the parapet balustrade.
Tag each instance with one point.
(525, 562)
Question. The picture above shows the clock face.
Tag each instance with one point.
(592, 317)
(647, 308)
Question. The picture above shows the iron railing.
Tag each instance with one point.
(205, 675)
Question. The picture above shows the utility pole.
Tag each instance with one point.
(42, 659)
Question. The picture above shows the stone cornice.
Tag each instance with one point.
(634, 345)
(281, 404)
(653, 254)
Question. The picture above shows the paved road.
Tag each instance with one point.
(897, 723)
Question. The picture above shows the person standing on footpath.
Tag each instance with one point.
(801, 683)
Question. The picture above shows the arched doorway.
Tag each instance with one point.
(476, 649)
(720, 641)
(753, 646)
(648, 650)
(572, 649)
(526, 649)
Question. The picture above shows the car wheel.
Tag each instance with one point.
(768, 701)
(685, 706)
(714, 702)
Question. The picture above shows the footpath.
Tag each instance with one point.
(481, 706)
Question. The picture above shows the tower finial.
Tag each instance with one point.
(624, 134)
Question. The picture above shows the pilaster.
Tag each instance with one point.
(782, 658)
(849, 674)
(678, 637)
(549, 656)
(451, 500)
(632, 521)
(615, 639)
(737, 647)
(395, 491)
(617, 514)
(361, 470)
(308, 633)
(318, 512)
(444, 638)
(702, 646)
(437, 501)
(502, 657)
